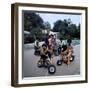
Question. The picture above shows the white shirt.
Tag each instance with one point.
(62, 42)
(35, 43)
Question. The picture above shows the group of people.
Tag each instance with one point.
(50, 46)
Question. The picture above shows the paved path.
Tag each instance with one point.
(30, 68)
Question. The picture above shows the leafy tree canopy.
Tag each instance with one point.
(32, 20)
(66, 27)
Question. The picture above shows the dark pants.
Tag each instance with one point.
(59, 50)
(44, 57)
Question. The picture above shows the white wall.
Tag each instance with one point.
(5, 44)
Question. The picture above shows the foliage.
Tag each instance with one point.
(37, 33)
(32, 20)
(35, 24)
(65, 27)
(47, 25)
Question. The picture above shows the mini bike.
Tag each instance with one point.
(47, 64)
(59, 62)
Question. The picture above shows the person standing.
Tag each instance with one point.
(46, 39)
(69, 40)
(61, 44)
(50, 41)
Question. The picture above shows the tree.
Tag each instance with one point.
(72, 29)
(61, 26)
(47, 25)
(37, 33)
(66, 27)
(32, 20)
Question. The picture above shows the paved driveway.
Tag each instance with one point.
(30, 68)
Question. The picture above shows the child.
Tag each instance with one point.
(43, 53)
(63, 52)
(61, 44)
(69, 53)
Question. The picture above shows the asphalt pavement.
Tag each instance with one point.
(30, 68)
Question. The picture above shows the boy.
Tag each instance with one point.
(69, 53)
(43, 53)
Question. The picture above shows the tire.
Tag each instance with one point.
(51, 69)
(59, 62)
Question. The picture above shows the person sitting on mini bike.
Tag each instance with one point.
(63, 52)
(69, 53)
(45, 61)
(46, 53)
(66, 53)
(69, 49)
(43, 54)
